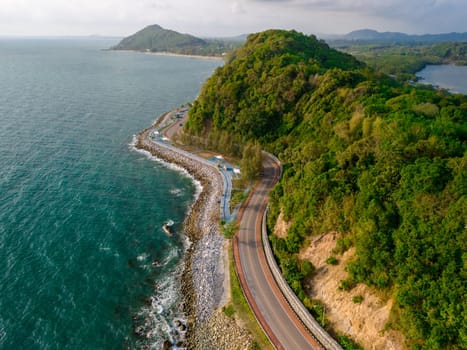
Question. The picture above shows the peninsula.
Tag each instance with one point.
(374, 166)
(372, 197)
(156, 39)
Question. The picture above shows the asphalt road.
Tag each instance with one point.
(274, 314)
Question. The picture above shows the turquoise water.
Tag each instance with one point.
(80, 210)
(450, 77)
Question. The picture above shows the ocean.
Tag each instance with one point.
(84, 259)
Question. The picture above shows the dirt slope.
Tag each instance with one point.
(364, 322)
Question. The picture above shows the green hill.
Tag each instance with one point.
(157, 39)
(382, 163)
(154, 38)
(373, 36)
(404, 60)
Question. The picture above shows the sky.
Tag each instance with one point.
(217, 18)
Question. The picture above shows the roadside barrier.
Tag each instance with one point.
(303, 314)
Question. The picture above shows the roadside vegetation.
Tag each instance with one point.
(237, 197)
(239, 307)
(381, 162)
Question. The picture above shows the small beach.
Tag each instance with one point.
(172, 54)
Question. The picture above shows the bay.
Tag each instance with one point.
(450, 77)
(80, 211)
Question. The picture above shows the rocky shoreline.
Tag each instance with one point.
(202, 279)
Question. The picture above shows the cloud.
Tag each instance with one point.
(387, 8)
(393, 15)
(237, 8)
(229, 17)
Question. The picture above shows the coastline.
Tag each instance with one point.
(204, 281)
(173, 54)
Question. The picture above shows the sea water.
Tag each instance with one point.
(447, 76)
(83, 256)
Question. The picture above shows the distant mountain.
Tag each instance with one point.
(369, 35)
(238, 38)
(154, 38)
(157, 39)
(379, 164)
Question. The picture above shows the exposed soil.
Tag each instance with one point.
(280, 230)
(364, 322)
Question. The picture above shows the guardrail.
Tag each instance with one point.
(225, 199)
(310, 323)
(313, 326)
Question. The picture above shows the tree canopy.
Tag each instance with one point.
(404, 60)
(154, 38)
(383, 163)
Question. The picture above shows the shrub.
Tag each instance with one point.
(347, 284)
(332, 261)
(348, 344)
(342, 245)
(230, 229)
(307, 268)
(357, 299)
(228, 310)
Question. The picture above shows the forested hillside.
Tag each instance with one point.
(384, 164)
(154, 38)
(372, 36)
(404, 60)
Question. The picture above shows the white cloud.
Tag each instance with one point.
(237, 8)
(229, 17)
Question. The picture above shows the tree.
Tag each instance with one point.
(382, 163)
(252, 160)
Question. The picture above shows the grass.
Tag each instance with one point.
(237, 197)
(242, 310)
(229, 310)
(229, 229)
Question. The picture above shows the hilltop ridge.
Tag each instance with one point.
(154, 38)
(381, 164)
(370, 35)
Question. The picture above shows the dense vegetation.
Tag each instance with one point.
(382, 163)
(367, 36)
(404, 60)
(154, 38)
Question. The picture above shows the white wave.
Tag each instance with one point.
(142, 257)
(157, 320)
(181, 170)
(160, 317)
(176, 192)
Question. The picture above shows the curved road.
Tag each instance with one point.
(276, 317)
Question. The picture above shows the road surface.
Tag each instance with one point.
(278, 320)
